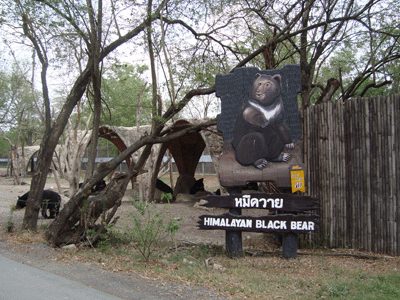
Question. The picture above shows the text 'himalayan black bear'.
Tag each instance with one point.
(50, 201)
(260, 131)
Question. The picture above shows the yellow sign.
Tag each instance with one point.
(297, 179)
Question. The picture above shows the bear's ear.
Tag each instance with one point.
(258, 75)
(278, 78)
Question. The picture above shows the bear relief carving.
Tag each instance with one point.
(260, 133)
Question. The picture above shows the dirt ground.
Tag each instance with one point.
(185, 209)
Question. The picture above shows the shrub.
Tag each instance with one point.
(10, 224)
(151, 226)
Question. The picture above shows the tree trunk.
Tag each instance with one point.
(156, 107)
(92, 153)
(331, 87)
(15, 165)
(70, 215)
(95, 206)
(23, 162)
(47, 148)
(37, 184)
(55, 172)
(305, 68)
(268, 53)
(75, 146)
(95, 38)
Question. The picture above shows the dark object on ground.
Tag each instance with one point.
(163, 188)
(50, 201)
(197, 187)
(187, 184)
(98, 187)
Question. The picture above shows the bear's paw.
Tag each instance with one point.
(260, 163)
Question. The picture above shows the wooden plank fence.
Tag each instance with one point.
(352, 151)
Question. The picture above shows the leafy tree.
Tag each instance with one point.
(20, 124)
(309, 32)
(122, 86)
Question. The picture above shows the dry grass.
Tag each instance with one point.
(314, 274)
(263, 277)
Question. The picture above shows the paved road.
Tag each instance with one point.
(19, 281)
(27, 276)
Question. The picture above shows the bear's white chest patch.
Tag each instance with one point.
(270, 112)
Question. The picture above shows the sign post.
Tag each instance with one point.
(295, 219)
(289, 245)
(233, 238)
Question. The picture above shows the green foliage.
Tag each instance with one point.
(339, 290)
(384, 286)
(362, 286)
(10, 224)
(167, 197)
(4, 148)
(151, 226)
(121, 87)
(159, 119)
(44, 226)
(113, 237)
(17, 110)
(4, 89)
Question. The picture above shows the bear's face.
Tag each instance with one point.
(265, 88)
(21, 203)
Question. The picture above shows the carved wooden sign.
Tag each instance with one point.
(281, 202)
(260, 123)
(277, 223)
(284, 203)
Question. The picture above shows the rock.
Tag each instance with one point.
(185, 198)
(199, 205)
(218, 267)
(165, 262)
(69, 247)
(188, 262)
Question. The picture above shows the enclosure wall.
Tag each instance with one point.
(352, 153)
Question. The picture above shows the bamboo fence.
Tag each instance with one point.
(351, 150)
